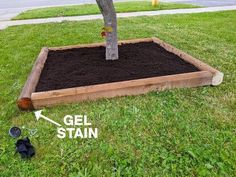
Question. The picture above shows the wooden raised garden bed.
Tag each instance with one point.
(73, 73)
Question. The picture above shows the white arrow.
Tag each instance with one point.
(38, 115)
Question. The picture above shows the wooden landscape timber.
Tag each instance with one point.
(24, 102)
(29, 99)
(217, 75)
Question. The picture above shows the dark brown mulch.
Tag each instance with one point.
(87, 66)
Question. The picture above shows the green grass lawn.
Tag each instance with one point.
(93, 9)
(180, 132)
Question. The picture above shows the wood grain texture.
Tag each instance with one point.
(124, 88)
(24, 101)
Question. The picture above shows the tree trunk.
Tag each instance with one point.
(110, 22)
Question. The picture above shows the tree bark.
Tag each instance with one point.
(110, 22)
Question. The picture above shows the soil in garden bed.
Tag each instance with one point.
(87, 66)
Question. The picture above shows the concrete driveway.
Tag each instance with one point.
(11, 8)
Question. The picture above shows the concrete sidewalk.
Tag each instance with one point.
(5, 24)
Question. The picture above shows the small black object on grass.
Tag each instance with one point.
(25, 148)
(15, 132)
